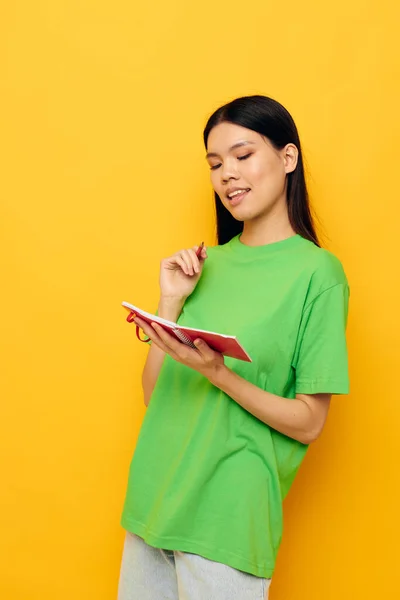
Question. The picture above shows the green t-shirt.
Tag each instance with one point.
(207, 477)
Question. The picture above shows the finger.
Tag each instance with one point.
(203, 253)
(188, 260)
(179, 259)
(204, 349)
(151, 333)
(195, 260)
(175, 262)
(145, 327)
(179, 348)
(182, 263)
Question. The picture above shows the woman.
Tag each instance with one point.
(223, 439)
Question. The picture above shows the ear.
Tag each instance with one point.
(290, 157)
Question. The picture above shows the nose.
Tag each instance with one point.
(228, 171)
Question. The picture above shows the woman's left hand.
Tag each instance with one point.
(204, 360)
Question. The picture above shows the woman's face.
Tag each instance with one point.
(247, 172)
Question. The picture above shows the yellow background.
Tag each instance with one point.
(102, 174)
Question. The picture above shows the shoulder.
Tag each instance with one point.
(319, 267)
(325, 264)
(325, 269)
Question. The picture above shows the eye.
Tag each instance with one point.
(245, 156)
(215, 167)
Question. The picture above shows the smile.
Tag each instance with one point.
(237, 196)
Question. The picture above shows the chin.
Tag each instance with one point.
(241, 214)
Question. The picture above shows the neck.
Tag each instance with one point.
(267, 229)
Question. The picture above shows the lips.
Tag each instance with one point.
(238, 197)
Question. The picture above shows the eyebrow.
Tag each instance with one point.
(237, 145)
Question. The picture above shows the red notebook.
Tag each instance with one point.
(226, 344)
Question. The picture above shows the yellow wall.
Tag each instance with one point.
(102, 105)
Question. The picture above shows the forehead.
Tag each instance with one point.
(225, 135)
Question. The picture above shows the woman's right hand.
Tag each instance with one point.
(180, 273)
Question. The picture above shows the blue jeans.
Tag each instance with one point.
(149, 573)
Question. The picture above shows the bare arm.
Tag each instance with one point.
(179, 275)
(170, 309)
(301, 419)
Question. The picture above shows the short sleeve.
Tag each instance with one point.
(320, 359)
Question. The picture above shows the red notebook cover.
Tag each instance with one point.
(228, 345)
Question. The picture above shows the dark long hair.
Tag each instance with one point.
(270, 119)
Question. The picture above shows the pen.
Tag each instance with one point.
(200, 248)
